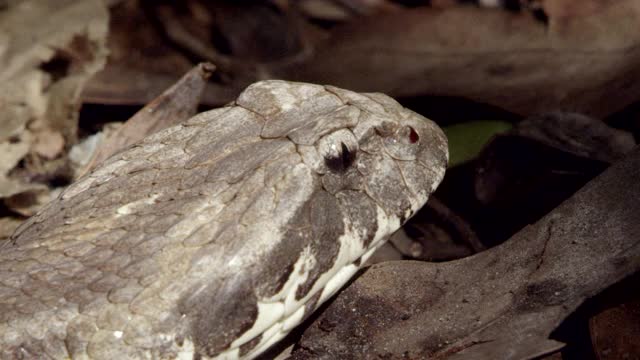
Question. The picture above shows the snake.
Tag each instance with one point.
(214, 238)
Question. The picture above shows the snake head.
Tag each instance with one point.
(348, 171)
(389, 153)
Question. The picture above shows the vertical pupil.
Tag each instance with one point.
(346, 156)
(344, 159)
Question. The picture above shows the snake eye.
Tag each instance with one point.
(339, 150)
(343, 160)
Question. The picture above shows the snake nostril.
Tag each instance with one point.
(413, 135)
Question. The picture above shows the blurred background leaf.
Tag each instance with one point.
(467, 139)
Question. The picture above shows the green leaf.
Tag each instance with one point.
(467, 139)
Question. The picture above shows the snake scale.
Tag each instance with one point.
(215, 237)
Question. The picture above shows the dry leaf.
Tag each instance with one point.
(143, 62)
(515, 165)
(48, 144)
(586, 64)
(577, 134)
(175, 105)
(614, 332)
(47, 52)
(83, 152)
(7, 226)
(11, 152)
(27, 203)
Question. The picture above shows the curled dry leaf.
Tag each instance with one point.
(578, 135)
(176, 104)
(48, 51)
(500, 304)
(561, 143)
(154, 43)
(581, 63)
(524, 173)
(142, 63)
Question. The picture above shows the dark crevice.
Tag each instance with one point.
(58, 67)
(448, 110)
